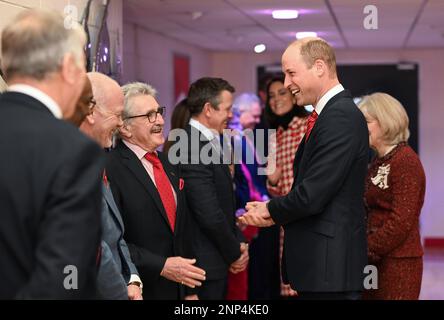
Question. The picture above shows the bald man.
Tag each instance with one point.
(118, 277)
(84, 106)
(325, 246)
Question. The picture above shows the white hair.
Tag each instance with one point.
(132, 90)
(36, 41)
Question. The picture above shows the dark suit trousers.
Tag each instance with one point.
(213, 289)
(350, 295)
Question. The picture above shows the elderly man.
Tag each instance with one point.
(85, 105)
(118, 277)
(49, 177)
(325, 248)
(150, 195)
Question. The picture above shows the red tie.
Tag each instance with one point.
(311, 122)
(164, 187)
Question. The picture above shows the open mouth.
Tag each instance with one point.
(295, 91)
(156, 130)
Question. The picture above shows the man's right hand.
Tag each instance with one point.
(181, 270)
(240, 264)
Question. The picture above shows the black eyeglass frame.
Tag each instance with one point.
(160, 110)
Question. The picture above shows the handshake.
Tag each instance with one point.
(256, 215)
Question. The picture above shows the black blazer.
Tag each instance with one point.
(147, 230)
(210, 197)
(50, 202)
(325, 247)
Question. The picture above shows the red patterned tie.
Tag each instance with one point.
(164, 187)
(311, 122)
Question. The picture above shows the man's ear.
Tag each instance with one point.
(90, 119)
(69, 69)
(207, 110)
(320, 67)
(125, 131)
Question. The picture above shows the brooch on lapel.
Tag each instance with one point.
(181, 184)
(380, 180)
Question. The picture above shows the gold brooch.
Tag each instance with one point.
(381, 177)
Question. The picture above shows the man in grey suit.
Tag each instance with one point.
(118, 277)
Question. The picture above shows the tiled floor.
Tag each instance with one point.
(433, 276)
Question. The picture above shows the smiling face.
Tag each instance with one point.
(280, 98)
(303, 82)
(147, 135)
(218, 119)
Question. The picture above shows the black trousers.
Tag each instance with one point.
(213, 290)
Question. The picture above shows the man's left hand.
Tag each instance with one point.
(134, 292)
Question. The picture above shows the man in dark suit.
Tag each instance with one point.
(325, 248)
(218, 242)
(118, 277)
(49, 174)
(149, 193)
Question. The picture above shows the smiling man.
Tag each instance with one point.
(325, 249)
(217, 240)
(149, 193)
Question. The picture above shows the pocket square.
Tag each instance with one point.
(181, 184)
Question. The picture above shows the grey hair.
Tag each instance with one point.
(134, 89)
(244, 102)
(36, 41)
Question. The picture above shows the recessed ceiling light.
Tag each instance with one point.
(300, 35)
(259, 48)
(285, 14)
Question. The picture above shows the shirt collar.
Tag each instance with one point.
(203, 129)
(327, 96)
(138, 151)
(40, 96)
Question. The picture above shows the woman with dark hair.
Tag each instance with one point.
(179, 120)
(290, 122)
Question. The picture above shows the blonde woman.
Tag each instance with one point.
(394, 196)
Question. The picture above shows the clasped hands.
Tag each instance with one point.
(257, 215)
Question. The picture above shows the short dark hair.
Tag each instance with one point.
(206, 90)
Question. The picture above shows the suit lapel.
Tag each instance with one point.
(112, 204)
(135, 166)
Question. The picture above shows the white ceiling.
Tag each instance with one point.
(238, 25)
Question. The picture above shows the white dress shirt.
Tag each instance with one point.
(327, 96)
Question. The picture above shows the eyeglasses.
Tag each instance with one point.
(92, 103)
(151, 115)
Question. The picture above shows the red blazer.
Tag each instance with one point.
(394, 196)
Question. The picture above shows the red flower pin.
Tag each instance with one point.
(181, 184)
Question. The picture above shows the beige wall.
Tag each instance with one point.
(148, 57)
(240, 69)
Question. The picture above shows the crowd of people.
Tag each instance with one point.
(92, 209)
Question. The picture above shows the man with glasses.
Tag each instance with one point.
(150, 194)
(85, 105)
(118, 277)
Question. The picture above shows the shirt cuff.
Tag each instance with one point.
(136, 278)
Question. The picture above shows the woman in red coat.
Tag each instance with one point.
(394, 196)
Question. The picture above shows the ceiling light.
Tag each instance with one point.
(300, 35)
(285, 14)
(259, 48)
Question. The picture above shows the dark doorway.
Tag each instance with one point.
(397, 80)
